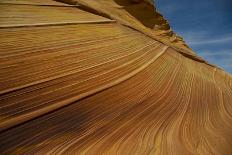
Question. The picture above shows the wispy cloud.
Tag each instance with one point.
(227, 53)
(222, 58)
(210, 41)
(206, 38)
(216, 50)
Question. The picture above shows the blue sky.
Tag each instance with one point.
(206, 25)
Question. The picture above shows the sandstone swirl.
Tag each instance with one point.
(106, 77)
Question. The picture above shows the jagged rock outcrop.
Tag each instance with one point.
(141, 16)
(106, 77)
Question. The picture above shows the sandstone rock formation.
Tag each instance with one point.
(106, 77)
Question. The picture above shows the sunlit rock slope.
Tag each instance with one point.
(106, 77)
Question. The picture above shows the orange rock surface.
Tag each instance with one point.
(106, 77)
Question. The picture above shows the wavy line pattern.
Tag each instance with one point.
(27, 15)
(107, 89)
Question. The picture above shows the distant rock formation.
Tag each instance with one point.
(105, 77)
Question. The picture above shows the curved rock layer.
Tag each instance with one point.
(74, 81)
